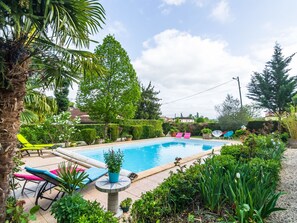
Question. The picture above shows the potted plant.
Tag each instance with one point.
(173, 131)
(206, 133)
(125, 204)
(114, 161)
(129, 137)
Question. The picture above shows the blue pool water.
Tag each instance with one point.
(143, 156)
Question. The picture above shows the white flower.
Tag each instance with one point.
(237, 175)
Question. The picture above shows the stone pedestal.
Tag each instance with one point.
(113, 190)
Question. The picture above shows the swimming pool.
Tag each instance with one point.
(139, 157)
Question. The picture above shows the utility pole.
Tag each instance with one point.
(239, 88)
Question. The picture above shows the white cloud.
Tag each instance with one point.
(180, 64)
(116, 28)
(221, 12)
(174, 2)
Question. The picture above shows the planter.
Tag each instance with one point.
(293, 143)
(128, 139)
(125, 209)
(113, 177)
(173, 134)
(206, 136)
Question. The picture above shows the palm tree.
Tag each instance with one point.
(36, 104)
(35, 36)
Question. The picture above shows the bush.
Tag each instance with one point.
(233, 150)
(69, 208)
(96, 214)
(88, 135)
(240, 132)
(74, 208)
(148, 131)
(113, 132)
(224, 161)
(98, 127)
(136, 131)
(15, 211)
(206, 131)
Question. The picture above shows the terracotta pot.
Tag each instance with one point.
(128, 139)
(173, 134)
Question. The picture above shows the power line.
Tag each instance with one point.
(190, 96)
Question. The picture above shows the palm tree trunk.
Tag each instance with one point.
(11, 105)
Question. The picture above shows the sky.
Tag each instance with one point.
(192, 49)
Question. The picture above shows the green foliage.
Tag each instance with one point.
(206, 131)
(114, 160)
(88, 135)
(231, 115)
(274, 88)
(126, 202)
(73, 208)
(290, 121)
(15, 211)
(137, 131)
(240, 132)
(115, 94)
(258, 126)
(61, 93)
(72, 179)
(148, 131)
(96, 214)
(234, 184)
(233, 150)
(113, 132)
(148, 106)
(166, 127)
(79, 127)
(69, 208)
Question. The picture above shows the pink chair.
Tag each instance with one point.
(187, 135)
(179, 135)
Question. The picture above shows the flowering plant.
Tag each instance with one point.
(114, 160)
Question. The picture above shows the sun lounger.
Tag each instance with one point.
(187, 135)
(179, 135)
(28, 146)
(52, 181)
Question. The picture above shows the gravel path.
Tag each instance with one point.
(288, 184)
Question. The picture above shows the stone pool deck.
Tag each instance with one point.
(49, 161)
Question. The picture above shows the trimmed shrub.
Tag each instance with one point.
(98, 127)
(113, 130)
(148, 132)
(136, 131)
(88, 135)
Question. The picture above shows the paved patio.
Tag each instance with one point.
(49, 161)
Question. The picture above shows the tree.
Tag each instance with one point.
(273, 89)
(231, 115)
(61, 94)
(114, 95)
(148, 107)
(35, 36)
